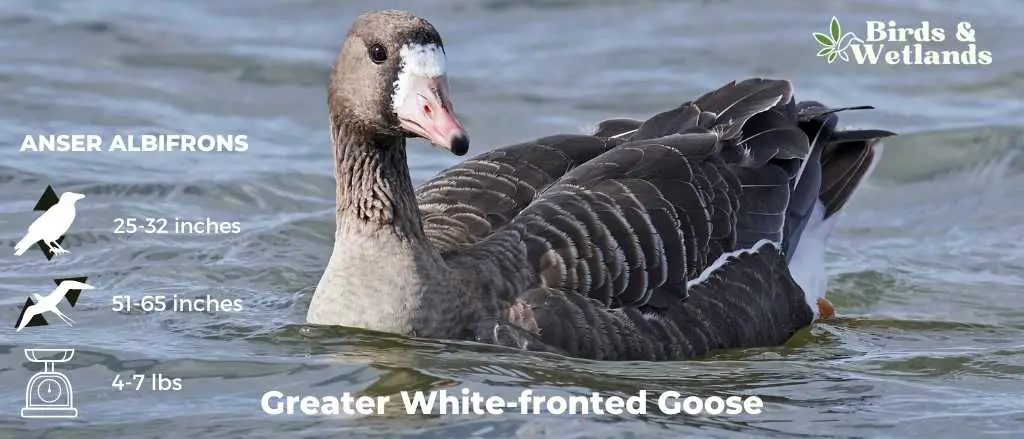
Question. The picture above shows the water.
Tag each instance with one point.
(927, 265)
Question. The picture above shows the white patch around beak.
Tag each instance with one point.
(417, 60)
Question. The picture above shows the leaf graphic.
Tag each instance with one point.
(843, 56)
(825, 51)
(825, 40)
(832, 57)
(834, 28)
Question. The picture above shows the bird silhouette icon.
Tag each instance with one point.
(51, 225)
(49, 303)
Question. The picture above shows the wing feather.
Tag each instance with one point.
(488, 190)
(662, 239)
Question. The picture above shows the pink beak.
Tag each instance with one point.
(426, 112)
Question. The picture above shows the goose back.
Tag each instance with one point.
(667, 243)
(472, 199)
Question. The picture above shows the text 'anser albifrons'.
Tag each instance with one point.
(703, 227)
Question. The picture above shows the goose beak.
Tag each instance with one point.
(425, 111)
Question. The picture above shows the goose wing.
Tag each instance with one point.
(617, 243)
(470, 200)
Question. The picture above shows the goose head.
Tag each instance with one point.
(390, 75)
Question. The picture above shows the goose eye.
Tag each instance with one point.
(378, 53)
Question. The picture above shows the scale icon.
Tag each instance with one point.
(49, 394)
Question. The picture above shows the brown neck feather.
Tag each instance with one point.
(375, 191)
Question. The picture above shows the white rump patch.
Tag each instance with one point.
(423, 60)
(807, 266)
(724, 258)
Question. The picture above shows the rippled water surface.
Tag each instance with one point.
(927, 266)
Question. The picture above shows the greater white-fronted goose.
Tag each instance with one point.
(703, 227)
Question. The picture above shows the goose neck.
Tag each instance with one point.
(374, 189)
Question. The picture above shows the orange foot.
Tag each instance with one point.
(825, 309)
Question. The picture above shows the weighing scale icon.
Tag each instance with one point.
(48, 394)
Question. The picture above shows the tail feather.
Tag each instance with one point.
(844, 166)
(850, 135)
(22, 246)
(839, 162)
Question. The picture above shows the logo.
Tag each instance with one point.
(835, 42)
(32, 314)
(885, 42)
